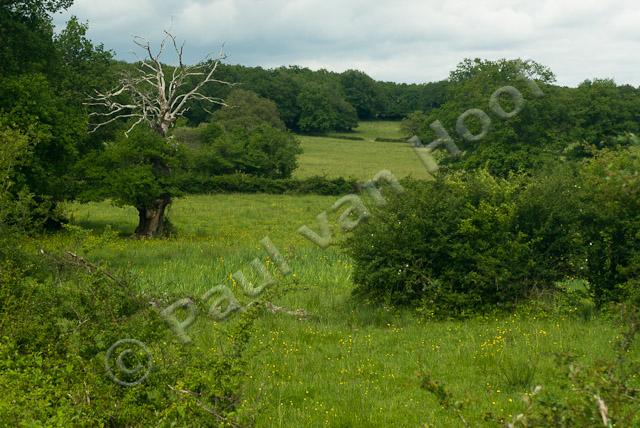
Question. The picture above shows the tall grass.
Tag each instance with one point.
(348, 364)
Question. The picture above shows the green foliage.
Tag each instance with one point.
(26, 33)
(280, 86)
(414, 123)
(347, 91)
(486, 241)
(499, 70)
(362, 93)
(39, 8)
(34, 107)
(245, 110)
(133, 171)
(263, 151)
(610, 207)
(61, 313)
(604, 111)
(519, 143)
(400, 99)
(549, 214)
(84, 67)
(43, 80)
(16, 207)
(569, 122)
(245, 183)
(322, 109)
(465, 243)
(247, 137)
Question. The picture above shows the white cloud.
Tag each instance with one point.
(400, 40)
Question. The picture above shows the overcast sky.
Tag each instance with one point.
(397, 40)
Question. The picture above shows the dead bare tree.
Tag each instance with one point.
(158, 94)
(155, 94)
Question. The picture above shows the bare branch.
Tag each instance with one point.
(151, 95)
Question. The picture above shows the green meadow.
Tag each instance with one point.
(332, 156)
(187, 241)
(348, 364)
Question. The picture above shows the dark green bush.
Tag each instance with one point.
(261, 150)
(323, 108)
(610, 223)
(244, 183)
(390, 140)
(323, 186)
(245, 136)
(465, 243)
(346, 137)
(264, 151)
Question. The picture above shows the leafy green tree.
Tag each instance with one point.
(361, 92)
(54, 126)
(400, 99)
(248, 136)
(43, 79)
(523, 137)
(283, 85)
(323, 109)
(284, 91)
(414, 124)
(26, 36)
(278, 85)
(85, 67)
(141, 170)
(246, 110)
(604, 110)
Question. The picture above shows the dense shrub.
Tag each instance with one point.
(466, 242)
(347, 137)
(390, 140)
(246, 136)
(610, 222)
(244, 183)
(264, 151)
(414, 123)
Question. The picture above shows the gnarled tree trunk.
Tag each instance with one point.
(151, 221)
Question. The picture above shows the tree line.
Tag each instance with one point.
(47, 80)
(322, 101)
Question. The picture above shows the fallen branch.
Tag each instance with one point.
(298, 313)
(90, 267)
(71, 258)
(603, 409)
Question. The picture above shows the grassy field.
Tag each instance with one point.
(370, 130)
(361, 159)
(349, 364)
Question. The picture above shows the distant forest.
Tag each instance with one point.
(320, 101)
